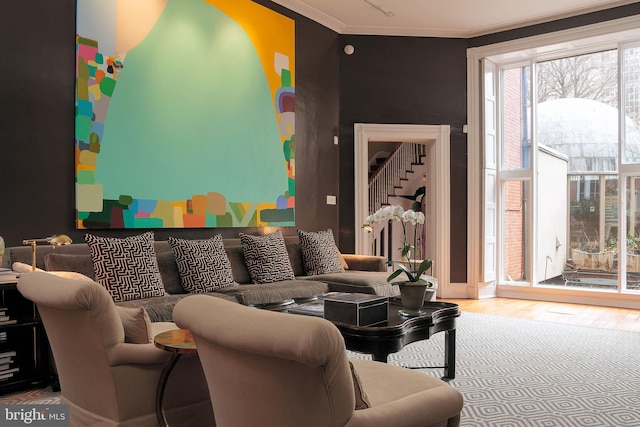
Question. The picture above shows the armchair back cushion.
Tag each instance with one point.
(262, 365)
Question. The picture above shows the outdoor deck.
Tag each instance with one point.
(593, 279)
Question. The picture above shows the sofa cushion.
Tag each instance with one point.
(169, 273)
(295, 255)
(136, 323)
(126, 267)
(319, 253)
(203, 264)
(238, 265)
(68, 262)
(160, 309)
(367, 282)
(270, 293)
(266, 257)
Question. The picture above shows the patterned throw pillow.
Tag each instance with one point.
(203, 264)
(126, 267)
(319, 253)
(266, 257)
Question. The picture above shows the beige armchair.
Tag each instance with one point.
(273, 369)
(105, 380)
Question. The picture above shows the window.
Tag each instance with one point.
(567, 179)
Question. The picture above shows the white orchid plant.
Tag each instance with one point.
(397, 213)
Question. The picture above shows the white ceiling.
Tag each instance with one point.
(439, 18)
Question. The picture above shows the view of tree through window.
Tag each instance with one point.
(592, 76)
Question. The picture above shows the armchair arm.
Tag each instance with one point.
(147, 354)
(417, 410)
(365, 262)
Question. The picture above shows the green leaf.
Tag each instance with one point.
(401, 268)
(394, 275)
(424, 266)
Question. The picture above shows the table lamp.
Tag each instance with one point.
(55, 241)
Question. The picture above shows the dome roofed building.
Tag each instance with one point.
(586, 131)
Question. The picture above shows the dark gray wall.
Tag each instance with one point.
(37, 67)
(421, 80)
(387, 80)
(405, 80)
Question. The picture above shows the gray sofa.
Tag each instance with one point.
(366, 274)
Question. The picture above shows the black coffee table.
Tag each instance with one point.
(386, 338)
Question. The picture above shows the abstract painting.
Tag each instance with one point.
(185, 114)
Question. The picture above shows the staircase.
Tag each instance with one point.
(385, 182)
(393, 172)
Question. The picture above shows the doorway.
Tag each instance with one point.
(436, 138)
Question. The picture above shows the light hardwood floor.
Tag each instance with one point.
(622, 319)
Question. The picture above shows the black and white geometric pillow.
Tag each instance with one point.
(266, 257)
(203, 264)
(126, 267)
(319, 253)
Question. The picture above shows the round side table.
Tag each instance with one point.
(178, 342)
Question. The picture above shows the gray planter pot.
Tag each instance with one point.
(413, 295)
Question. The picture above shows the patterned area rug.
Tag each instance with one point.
(515, 372)
(522, 373)
(43, 396)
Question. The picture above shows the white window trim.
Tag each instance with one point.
(560, 41)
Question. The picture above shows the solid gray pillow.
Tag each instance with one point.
(136, 324)
(169, 273)
(69, 262)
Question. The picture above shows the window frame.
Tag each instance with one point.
(547, 46)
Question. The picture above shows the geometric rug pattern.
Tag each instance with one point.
(525, 373)
(42, 396)
(521, 373)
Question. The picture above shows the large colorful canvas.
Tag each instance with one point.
(185, 114)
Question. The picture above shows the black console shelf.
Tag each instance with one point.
(24, 350)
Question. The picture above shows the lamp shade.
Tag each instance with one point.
(55, 241)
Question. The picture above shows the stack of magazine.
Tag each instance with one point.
(5, 320)
(7, 365)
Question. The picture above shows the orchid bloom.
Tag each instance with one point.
(397, 213)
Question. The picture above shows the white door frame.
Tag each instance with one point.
(437, 140)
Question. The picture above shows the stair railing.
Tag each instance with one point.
(393, 170)
(384, 183)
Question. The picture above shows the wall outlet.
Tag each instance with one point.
(331, 200)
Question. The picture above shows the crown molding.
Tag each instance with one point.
(340, 27)
(313, 14)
